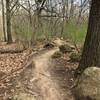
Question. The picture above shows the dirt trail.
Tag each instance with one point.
(49, 89)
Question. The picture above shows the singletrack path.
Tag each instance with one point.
(49, 89)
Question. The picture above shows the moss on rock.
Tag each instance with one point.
(57, 54)
(65, 48)
(75, 57)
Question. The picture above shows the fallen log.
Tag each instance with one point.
(11, 51)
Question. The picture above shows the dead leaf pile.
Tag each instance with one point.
(10, 62)
(10, 47)
(11, 65)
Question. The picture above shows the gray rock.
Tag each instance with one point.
(57, 54)
(65, 48)
(88, 87)
(75, 57)
(48, 45)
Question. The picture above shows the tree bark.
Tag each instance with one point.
(91, 51)
(8, 21)
(72, 9)
(3, 20)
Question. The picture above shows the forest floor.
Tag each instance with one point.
(34, 75)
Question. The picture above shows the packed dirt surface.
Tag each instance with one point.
(47, 82)
(49, 89)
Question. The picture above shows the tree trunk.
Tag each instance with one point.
(91, 51)
(72, 9)
(8, 19)
(3, 20)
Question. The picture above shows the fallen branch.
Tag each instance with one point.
(11, 51)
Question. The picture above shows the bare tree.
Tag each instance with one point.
(8, 19)
(91, 51)
(3, 19)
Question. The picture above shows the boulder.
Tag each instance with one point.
(57, 54)
(59, 42)
(88, 87)
(75, 57)
(65, 48)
